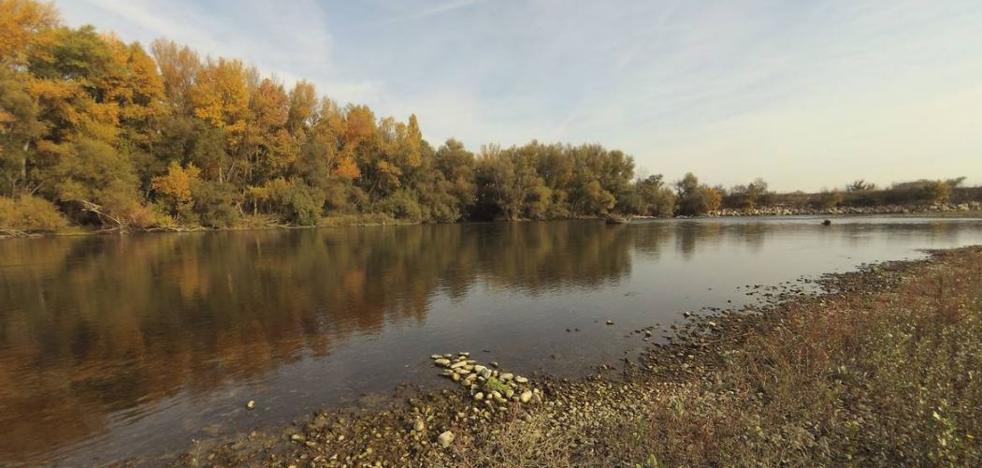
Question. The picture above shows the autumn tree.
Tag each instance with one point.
(23, 25)
(269, 147)
(178, 67)
(176, 188)
(303, 107)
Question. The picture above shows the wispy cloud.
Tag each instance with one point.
(444, 8)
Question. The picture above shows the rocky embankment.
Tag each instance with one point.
(853, 210)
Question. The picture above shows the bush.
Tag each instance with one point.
(402, 205)
(30, 214)
(217, 204)
(828, 200)
(303, 204)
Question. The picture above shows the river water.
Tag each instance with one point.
(117, 346)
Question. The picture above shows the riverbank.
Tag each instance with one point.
(956, 211)
(879, 370)
(254, 224)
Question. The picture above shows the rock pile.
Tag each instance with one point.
(494, 388)
(850, 210)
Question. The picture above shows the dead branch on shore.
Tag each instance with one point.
(103, 216)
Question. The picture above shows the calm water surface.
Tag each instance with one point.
(132, 346)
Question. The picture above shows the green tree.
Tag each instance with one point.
(695, 199)
(652, 198)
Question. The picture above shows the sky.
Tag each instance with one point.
(808, 95)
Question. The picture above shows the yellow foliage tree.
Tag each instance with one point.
(347, 168)
(303, 103)
(178, 67)
(22, 23)
(178, 182)
(220, 96)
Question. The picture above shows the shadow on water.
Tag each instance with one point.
(117, 346)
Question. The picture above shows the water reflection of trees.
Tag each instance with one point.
(537, 257)
(92, 325)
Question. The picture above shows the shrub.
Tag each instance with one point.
(402, 205)
(30, 214)
(217, 204)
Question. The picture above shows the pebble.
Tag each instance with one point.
(526, 396)
(251, 404)
(445, 439)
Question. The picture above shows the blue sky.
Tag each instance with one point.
(806, 94)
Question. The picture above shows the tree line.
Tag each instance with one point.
(99, 132)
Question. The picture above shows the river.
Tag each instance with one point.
(117, 346)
